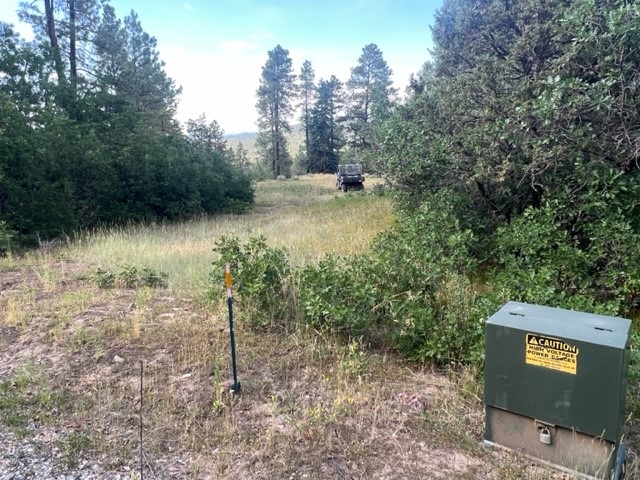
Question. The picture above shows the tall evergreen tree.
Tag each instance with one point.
(325, 132)
(207, 136)
(144, 80)
(239, 156)
(68, 28)
(24, 73)
(371, 97)
(275, 94)
(307, 91)
(111, 57)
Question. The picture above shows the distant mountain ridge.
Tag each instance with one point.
(248, 141)
(297, 128)
(241, 136)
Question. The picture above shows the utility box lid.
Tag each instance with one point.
(558, 366)
(586, 327)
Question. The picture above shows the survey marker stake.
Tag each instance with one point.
(227, 276)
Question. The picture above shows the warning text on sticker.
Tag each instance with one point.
(552, 353)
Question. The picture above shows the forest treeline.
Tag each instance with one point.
(340, 121)
(87, 129)
(515, 163)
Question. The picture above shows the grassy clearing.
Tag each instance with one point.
(318, 220)
(310, 406)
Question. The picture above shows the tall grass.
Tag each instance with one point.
(318, 220)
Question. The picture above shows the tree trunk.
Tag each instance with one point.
(72, 46)
(53, 38)
(306, 130)
(276, 122)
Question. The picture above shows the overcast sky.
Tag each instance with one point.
(215, 49)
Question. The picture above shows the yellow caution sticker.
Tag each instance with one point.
(551, 353)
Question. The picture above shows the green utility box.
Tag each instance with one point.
(555, 386)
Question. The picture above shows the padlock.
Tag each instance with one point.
(545, 436)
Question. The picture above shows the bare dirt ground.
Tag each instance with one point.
(71, 356)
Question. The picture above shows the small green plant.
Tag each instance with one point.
(153, 279)
(355, 362)
(73, 445)
(103, 278)
(129, 277)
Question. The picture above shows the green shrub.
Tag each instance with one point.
(103, 278)
(412, 293)
(448, 329)
(128, 276)
(424, 266)
(263, 281)
(340, 295)
(150, 278)
(548, 258)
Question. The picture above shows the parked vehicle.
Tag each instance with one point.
(349, 176)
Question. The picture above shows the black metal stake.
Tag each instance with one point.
(236, 385)
(141, 447)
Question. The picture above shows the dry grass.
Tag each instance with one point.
(310, 406)
(14, 310)
(318, 220)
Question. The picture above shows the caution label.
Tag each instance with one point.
(551, 353)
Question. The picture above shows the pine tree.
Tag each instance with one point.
(370, 97)
(110, 41)
(68, 28)
(307, 89)
(144, 80)
(240, 157)
(275, 93)
(324, 130)
(207, 136)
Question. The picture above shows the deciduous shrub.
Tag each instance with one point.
(424, 265)
(581, 256)
(341, 295)
(412, 293)
(263, 279)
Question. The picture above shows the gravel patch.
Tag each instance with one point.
(38, 455)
